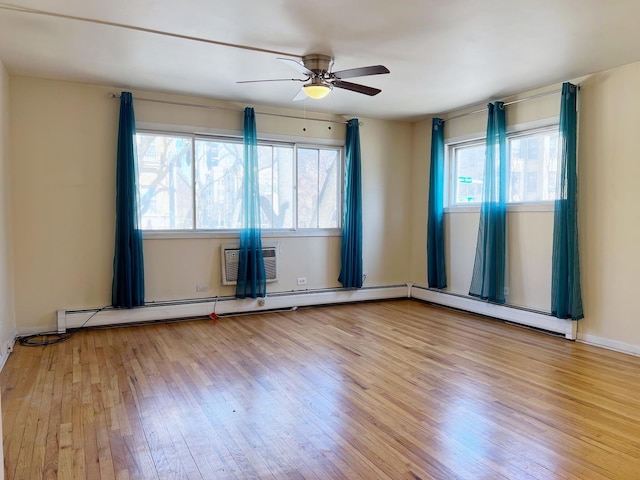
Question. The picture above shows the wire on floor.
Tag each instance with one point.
(51, 338)
(213, 315)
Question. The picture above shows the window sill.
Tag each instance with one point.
(512, 207)
(183, 234)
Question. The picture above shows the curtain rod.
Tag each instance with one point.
(532, 97)
(215, 107)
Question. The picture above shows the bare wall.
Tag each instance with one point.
(528, 232)
(608, 206)
(420, 155)
(609, 233)
(7, 309)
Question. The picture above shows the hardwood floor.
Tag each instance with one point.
(392, 390)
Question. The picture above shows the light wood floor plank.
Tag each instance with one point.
(391, 390)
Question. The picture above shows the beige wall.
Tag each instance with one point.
(529, 233)
(386, 160)
(609, 173)
(608, 189)
(62, 175)
(7, 311)
(420, 153)
(64, 138)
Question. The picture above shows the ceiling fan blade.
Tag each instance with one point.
(300, 96)
(356, 87)
(296, 66)
(361, 72)
(275, 80)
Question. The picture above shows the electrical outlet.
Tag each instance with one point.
(302, 280)
(506, 291)
(201, 287)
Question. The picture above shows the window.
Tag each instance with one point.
(534, 157)
(318, 191)
(193, 182)
(532, 162)
(165, 181)
(468, 173)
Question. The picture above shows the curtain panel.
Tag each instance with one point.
(436, 271)
(127, 289)
(252, 279)
(566, 295)
(351, 251)
(487, 281)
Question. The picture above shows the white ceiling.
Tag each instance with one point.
(442, 54)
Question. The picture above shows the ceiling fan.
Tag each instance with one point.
(320, 80)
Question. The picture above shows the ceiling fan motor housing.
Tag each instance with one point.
(318, 64)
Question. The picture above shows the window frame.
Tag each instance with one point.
(545, 205)
(340, 179)
(236, 137)
(517, 131)
(450, 172)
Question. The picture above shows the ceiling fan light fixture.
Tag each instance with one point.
(317, 91)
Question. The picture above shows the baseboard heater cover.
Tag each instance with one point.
(223, 305)
(304, 298)
(543, 321)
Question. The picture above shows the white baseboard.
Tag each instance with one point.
(284, 300)
(568, 328)
(609, 344)
(6, 348)
(227, 305)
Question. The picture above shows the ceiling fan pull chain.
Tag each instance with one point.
(304, 115)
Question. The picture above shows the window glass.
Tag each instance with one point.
(533, 162)
(165, 178)
(219, 170)
(329, 189)
(191, 182)
(275, 164)
(318, 192)
(532, 168)
(468, 178)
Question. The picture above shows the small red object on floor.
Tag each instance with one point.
(213, 316)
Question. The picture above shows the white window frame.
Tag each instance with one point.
(516, 131)
(340, 190)
(294, 142)
(450, 174)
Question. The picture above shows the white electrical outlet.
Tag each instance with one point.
(506, 291)
(201, 287)
(302, 280)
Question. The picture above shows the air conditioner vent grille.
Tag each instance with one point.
(230, 259)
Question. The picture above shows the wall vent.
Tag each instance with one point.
(229, 261)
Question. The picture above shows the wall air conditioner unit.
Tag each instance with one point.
(229, 258)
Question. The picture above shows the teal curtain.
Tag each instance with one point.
(252, 279)
(487, 281)
(436, 272)
(127, 288)
(566, 297)
(351, 254)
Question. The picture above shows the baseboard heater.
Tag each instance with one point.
(529, 318)
(304, 298)
(223, 305)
